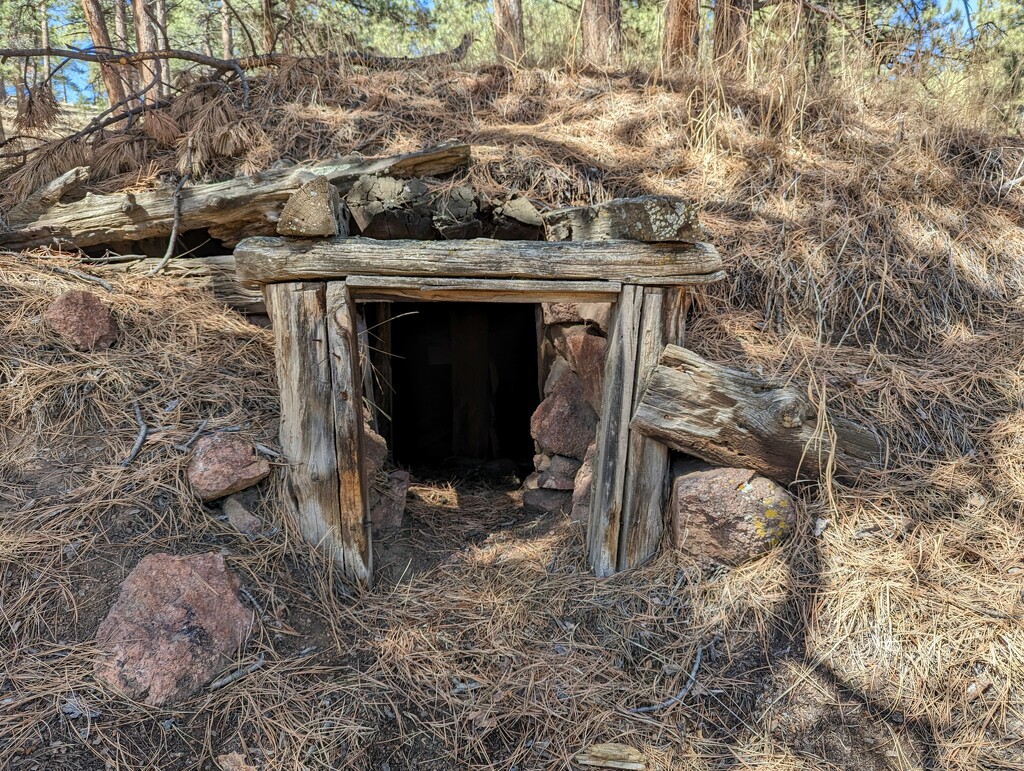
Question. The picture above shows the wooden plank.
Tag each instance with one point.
(299, 314)
(263, 259)
(649, 218)
(612, 434)
(354, 551)
(647, 467)
(230, 209)
(404, 288)
(732, 418)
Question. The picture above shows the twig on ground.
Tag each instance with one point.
(79, 274)
(177, 220)
(140, 439)
(690, 682)
(187, 446)
(238, 674)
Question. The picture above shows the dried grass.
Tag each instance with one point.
(875, 250)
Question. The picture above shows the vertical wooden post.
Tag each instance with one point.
(299, 314)
(354, 552)
(613, 433)
(661, 322)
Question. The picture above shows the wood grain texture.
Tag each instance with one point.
(732, 418)
(230, 210)
(299, 314)
(262, 260)
(612, 434)
(354, 551)
(399, 288)
(647, 465)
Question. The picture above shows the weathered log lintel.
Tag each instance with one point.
(265, 260)
(229, 210)
(399, 288)
(732, 418)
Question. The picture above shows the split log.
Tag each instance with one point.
(650, 218)
(264, 260)
(215, 273)
(732, 418)
(229, 210)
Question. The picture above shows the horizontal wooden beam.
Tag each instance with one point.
(397, 288)
(266, 260)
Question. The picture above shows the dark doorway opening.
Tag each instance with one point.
(464, 383)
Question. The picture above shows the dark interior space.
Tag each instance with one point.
(464, 383)
(193, 243)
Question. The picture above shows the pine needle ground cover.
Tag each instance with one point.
(876, 260)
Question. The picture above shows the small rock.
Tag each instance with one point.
(583, 485)
(596, 314)
(176, 622)
(389, 507)
(560, 474)
(223, 464)
(559, 367)
(516, 219)
(729, 515)
(234, 762)
(375, 452)
(564, 424)
(540, 502)
(82, 321)
(541, 462)
(240, 517)
(561, 313)
(75, 707)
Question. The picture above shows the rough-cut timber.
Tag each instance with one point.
(376, 288)
(264, 260)
(649, 218)
(314, 210)
(732, 418)
(304, 377)
(231, 209)
(613, 434)
(215, 273)
(647, 466)
(355, 554)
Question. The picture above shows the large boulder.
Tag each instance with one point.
(223, 464)
(564, 424)
(176, 623)
(729, 515)
(82, 321)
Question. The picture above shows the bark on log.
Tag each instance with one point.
(732, 418)
(230, 210)
(267, 260)
(649, 218)
(215, 273)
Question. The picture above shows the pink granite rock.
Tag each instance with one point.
(729, 515)
(585, 354)
(82, 321)
(223, 464)
(564, 424)
(176, 623)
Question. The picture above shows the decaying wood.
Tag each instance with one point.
(314, 210)
(264, 260)
(354, 552)
(48, 195)
(732, 418)
(516, 219)
(647, 464)
(229, 210)
(390, 208)
(612, 434)
(215, 273)
(650, 218)
(304, 377)
(398, 288)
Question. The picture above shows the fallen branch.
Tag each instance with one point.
(140, 439)
(691, 680)
(79, 274)
(177, 222)
(238, 674)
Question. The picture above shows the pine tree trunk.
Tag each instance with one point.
(267, 13)
(44, 31)
(128, 75)
(225, 31)
(145, 40)
(732, 31)
(682, 32)
(508, 30)
(602, 31)
(101, 39)
(160, 29)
